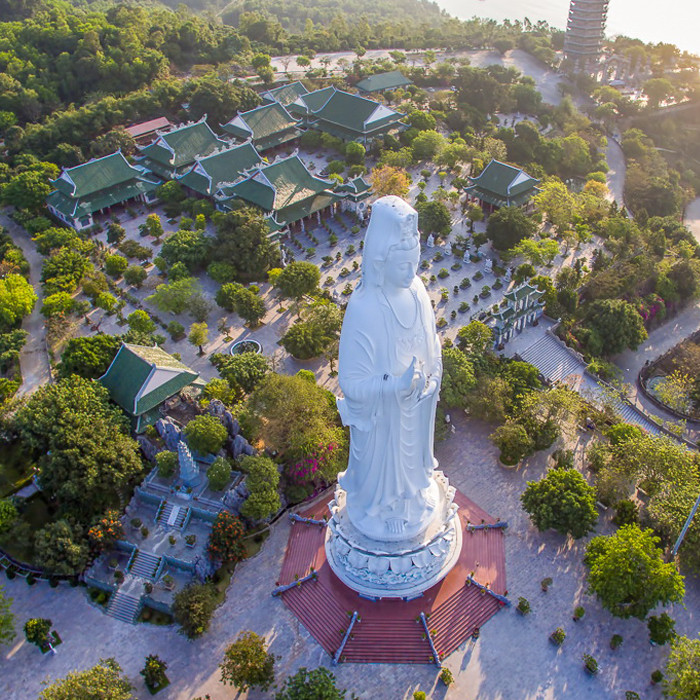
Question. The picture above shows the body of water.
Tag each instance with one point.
(676, 22)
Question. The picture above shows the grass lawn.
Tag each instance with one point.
(16, 465)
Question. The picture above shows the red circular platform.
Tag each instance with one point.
(390, 631)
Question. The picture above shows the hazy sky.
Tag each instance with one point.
(674, 21)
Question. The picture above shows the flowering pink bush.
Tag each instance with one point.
(305, 470)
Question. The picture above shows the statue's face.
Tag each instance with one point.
(400, 267)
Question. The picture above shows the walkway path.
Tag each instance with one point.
(34, 359)
(692, 218)
(617, 171)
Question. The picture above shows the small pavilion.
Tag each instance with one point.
(141, 378)
(381, 82)
(501, 185)
(523, 305)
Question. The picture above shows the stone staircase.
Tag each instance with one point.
(552, 359)
(172, 515)
(144, 565)
(123, 606)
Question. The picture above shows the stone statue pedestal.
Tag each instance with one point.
(402, 567)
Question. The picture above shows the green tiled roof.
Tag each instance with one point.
(141, 377)
(523, 292)
(95, 175)
(312, 101)
(502, 184)
(178, 148)
(75, 207)
(285, 187)
(353, 112)
(358, 188)
(285, 93)
(208, 173)
(383, 81)
(268, 126)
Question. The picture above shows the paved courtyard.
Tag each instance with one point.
(512, 659)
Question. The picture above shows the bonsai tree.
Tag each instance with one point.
(628, 573)
(558, 636)
(579, 612)
(36, 631)
(590, 664)
(523, 606)
(561, 500)
(446, 676)
(615, 641)
(545, 584)
(657, 677)
(662, 629)
(247, 663)
(226, 538)
(153, 672)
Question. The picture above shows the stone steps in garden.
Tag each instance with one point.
(123, 607)
(144, 565)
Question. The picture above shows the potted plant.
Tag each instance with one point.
(144, 532)
(590, 665)
(615, 641)
(119, 577)
(168, 582)
(190, 540)
(147, 587)
(579, 612)
(545, 584)
(656, 677)
(523, 606)
(136, 523)
(446, 676)
(172, 539)
(113, 563)
(557, 637)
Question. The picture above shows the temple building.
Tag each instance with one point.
(381, 82)
(501, 185)
(347, 116)
(585, 31)
(284, 94)
(143, 132)
(355, 193)
(269, 127)
(285, 190)
(207, 174)
(141, 378)
(93, 187)
(172, 152)
(523, 305)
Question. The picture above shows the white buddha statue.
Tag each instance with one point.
(390, 366)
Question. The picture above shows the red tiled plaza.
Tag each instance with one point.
(390, 631)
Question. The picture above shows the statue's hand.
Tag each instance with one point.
(431, 387)
(410, 380)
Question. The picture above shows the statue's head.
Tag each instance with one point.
(392, 235)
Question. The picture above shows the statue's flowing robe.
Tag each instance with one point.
(391, 438)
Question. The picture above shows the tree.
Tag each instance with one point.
(27, 190)
(508, 226)
(657, 90)
(682, 672)
(387, 180)
(226, 539)
(166, 462)
(475, 339)
(101, 682)
(576, 157)
(106, 532)
(513, 441)
(219, 99)
(434, 217)
(536, 252)
(219, 474)
(247, 663)
(140, 322)
(7, 619)
(199, 335)
(242, 241)
(8, 514)
(628, 573)
(205, 434)
(60, 549)
(243, 372)
(557, 203)
(303, 340)
(135, 275)
(17, 299)
(262, 482)
(561, 500)
(176, 296)
(58, 304)
(115, 265)
(89, 356)
(457, 378)
(355, 153)
(298, 279)
(317, 684)
(153, 671)
(615, 325)
(191, 248)
(153, 226)
(106, 301)
(36, 630)
(115, 233)
(248, 305)
(426, 145)
(193, 607)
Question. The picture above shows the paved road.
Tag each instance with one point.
(692, 218)
(617, 171)
(659, 341)
(33, 360)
